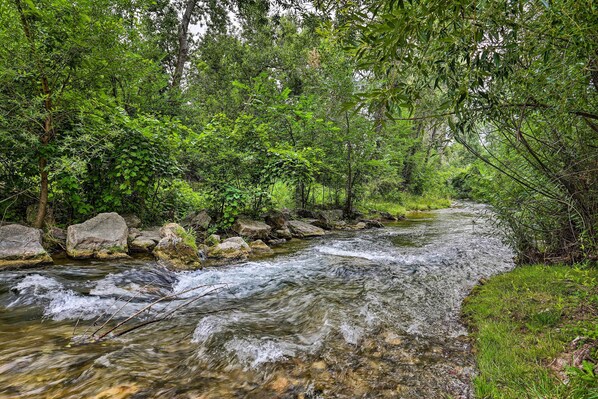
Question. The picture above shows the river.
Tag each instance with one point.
(370, 314)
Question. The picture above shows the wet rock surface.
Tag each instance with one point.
(258, 247)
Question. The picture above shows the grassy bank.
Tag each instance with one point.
(536, 333)
(406, 203)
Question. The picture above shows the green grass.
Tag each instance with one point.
(188, 236)
(282, 197)
(407, 202)
(525, 319)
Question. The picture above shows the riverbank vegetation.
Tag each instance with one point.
(535, 333)
(118, 106)
(161, 108)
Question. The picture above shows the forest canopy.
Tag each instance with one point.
(162, 108)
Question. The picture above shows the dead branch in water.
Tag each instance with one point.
(162, 315)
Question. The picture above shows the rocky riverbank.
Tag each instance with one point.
(178, 246)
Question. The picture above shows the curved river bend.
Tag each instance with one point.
(368, 314)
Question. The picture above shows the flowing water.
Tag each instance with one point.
(355, 314)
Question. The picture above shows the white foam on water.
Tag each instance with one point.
(255, 352)
(351, 333)
(38, 282)
(209, 326)
(107, 287)
(241, 280)
(329, 250)
(61, 303)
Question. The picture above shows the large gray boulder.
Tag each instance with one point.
(198, 221)
(21, 246)
(252, 229)
(103, 237)
(302, 230)
(231, 248)
(177, 249)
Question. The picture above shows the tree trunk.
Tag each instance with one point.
(183, 53)
(348, 211)
(48, 132)
(349, 187)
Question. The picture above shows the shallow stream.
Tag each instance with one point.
(368, 314)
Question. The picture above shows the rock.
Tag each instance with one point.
(387, 216)
(231, 248)
(372, 223)
(21, 246)
(143, 240)
(259, 247)
(302, 229)
(277, 220)
(198, 221)
(322, 224)
(133, 233)
(152, 233)
(252, 229)
(177, 249)
(142, 244)
(359, 226)
(341, 225)
(103, 237)
(58, 233)
(132, 221)
(212, 240)
(283, 233)
(327, 219)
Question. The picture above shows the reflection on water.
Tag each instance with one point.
(354, 314)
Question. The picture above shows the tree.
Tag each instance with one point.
(68, 63)
(516, 79)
